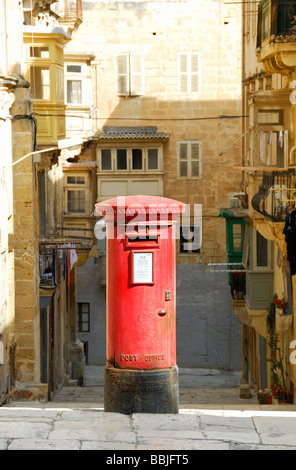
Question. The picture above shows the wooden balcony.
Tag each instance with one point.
(276, 35)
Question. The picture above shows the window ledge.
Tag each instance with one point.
(129, 173)
(76, 216)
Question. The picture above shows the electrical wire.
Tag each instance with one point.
(145, 119)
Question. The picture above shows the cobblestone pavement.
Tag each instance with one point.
(211, 417)
(198, 388)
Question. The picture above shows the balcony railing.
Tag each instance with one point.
(276, 192)
(69, 9)
(47, 268)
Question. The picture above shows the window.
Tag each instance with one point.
(83, 317)
(60, 84)
(190, 239)
(237, 237)
(76, 201)
(133, 159)
(270, 117)
(74, 91)
(152, 159)
(75, 179)
(265, 6)
(121, 160)
(137, 159)
(189, 73)
(76, 194)
(40, 82)
(261, 251)
(269, 145)
(106, 159)
(257, 251)
(235, 231)
(41, 52)
(74, 68)
(75, 76)
(130, 74)
(189, 159)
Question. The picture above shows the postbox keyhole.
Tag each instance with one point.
(168, 295)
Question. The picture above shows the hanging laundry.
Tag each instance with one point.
(69, 258)
(64, 264)
(270, 138)
(281, 139)
(73, 257)
(68, 268)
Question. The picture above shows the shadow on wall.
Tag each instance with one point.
(208, 333)
(215, 124)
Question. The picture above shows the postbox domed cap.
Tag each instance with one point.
(129, 206)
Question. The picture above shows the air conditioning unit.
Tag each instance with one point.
(233, 202)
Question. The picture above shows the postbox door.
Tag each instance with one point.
(145, 315)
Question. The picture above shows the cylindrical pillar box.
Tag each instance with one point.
(141, 373)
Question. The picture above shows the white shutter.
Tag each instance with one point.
(136, 74)
(195, 158)
(194, 73)
(189, 73)
(183, 73)
(122, 62)
(183, 159)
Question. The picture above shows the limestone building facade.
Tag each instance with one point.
(268, 195)
(39, 349)
(166, 86)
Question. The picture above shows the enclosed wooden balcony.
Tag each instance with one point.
(276, 35)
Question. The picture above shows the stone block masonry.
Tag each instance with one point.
(24, 251)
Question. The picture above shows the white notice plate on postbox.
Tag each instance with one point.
(142, 268)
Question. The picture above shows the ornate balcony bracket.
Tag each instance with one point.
(276, 60)
(273, 231)
(6, 101)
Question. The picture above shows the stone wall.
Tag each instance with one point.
(161, 31)
(208, 335)
(24, 273)
(208, 332)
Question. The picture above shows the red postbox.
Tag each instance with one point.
(141, 373)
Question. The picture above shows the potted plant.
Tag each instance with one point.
(277, 359)
(275, 382)
(284, 318)
(280, 305)
(284, 396)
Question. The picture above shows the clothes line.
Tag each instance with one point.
(68, 259)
